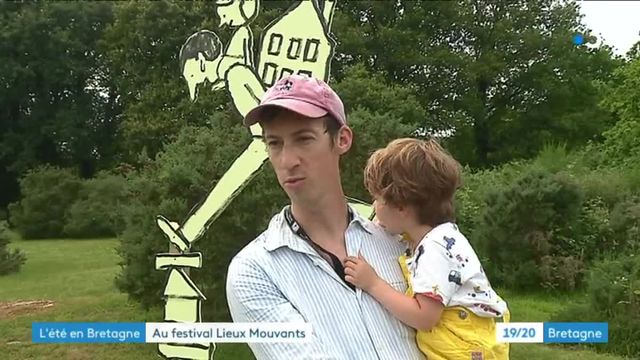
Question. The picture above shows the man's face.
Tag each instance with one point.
(302, 155)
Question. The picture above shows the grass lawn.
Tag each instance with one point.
(77, 276)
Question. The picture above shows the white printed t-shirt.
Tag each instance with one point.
(445, 267)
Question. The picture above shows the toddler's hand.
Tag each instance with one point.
(360, 273)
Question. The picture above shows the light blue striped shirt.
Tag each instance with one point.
(279, 277)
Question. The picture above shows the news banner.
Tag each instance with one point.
(168, 332)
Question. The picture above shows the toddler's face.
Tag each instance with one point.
(389, 217)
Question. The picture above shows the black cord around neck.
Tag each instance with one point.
(298, 230)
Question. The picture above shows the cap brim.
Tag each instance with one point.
(297, 106)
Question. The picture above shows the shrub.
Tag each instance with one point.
(467, 207)
(614, 285)
(625, 224)
(10, 260)
(525, 231)
(594, 230)
(47, 193)
(606, 184)
(557, 239)
(174, 182)
(97, 210)
(613, 289)
(560, 272)
(554, 158)
(631, 176)
(471, 196)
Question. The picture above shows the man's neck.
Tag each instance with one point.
(327, 218)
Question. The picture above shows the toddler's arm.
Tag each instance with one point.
(420, 312)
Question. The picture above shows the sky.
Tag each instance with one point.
(617, 22)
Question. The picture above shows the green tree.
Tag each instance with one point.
(47, 194)
(141, 54)
(51, 108)
(634, 52)
(622, 141)
(96, 211)
(491, 71)
(11, 260)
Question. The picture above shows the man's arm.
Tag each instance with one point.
(253, 297)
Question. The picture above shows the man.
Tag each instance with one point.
(293, 271)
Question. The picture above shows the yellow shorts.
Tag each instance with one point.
(460, 334)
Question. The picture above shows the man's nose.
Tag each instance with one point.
(289, 157)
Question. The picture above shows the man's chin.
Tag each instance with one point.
(292, 194)
(302, 198)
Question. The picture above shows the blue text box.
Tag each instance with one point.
(576, 332)
(88, 332)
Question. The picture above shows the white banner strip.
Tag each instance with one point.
(193, 333)
(519, 332)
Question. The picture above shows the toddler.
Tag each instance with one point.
(449, 300)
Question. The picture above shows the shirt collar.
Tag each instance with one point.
(365, 223)
(279, 234)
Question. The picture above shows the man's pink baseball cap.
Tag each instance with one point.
(305, 95)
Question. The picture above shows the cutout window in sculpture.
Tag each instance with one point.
(311, 50)
(275, 44)
(285, 72)
(295, 45)
(269, 73)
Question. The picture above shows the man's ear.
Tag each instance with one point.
(344, 139)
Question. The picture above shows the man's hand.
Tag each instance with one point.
(360, 273)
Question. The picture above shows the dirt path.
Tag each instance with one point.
(12, 309)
